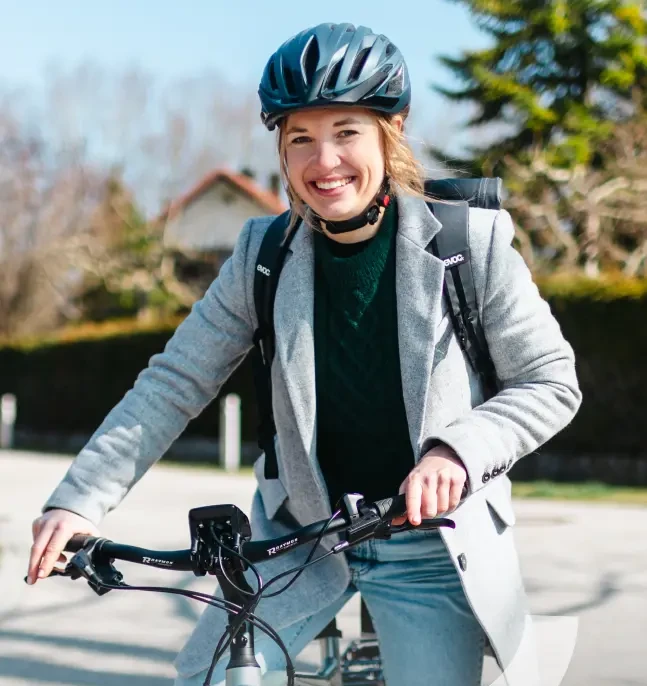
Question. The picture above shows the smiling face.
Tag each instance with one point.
(335, 159)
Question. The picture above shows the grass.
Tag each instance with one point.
(204, 465)
(589, 491)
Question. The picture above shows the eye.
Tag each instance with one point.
(300, 140)
(347, 133)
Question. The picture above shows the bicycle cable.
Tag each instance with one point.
(219, 603)
(254, 600)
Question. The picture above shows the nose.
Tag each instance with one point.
(326, 157)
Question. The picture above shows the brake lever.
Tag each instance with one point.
(100, 575)
(69, 572)
(425, 525)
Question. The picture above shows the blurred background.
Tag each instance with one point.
(131, 153)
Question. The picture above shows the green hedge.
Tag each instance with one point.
(67, 386)
(68, 383)
(606, 323)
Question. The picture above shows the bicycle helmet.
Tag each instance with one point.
(334, 64)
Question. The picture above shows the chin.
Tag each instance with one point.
(335, 213)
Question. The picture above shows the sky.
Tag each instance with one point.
(172, 39)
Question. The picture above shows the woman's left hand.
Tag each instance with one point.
(434, 485)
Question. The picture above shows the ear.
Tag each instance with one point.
(398, 122)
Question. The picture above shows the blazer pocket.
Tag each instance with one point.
(499, 501)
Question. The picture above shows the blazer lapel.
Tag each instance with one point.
(419, 284)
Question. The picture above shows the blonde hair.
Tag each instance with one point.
(400, 164)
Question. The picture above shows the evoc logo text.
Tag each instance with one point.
(454, 260)
(262, 269)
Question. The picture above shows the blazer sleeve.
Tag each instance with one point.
(539, 392)
(174, 388)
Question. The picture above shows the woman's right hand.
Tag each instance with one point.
(51, 532)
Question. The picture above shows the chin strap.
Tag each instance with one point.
(369, 216)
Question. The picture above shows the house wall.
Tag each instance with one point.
(212, 221)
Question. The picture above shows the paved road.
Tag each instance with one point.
(585, 568)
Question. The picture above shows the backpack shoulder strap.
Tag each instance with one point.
(451, 245)
(269, 262)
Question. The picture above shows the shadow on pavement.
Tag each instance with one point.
(608, 587)
(186, 608)
(38, 671)
(105, 647)
(64, 607)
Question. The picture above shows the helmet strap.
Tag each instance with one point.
(369, 216)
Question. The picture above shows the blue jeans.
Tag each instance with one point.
(427, 632)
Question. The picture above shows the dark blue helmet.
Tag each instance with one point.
(334, 64)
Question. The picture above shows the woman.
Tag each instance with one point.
(371, 391)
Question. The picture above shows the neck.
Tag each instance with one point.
(364, 233)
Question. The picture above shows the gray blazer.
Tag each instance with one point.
(443, 399)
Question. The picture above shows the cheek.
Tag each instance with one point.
(295, 170)
(372, 163)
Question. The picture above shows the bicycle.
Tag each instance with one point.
(221, 545)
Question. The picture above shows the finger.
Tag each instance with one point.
(455, 493)
(36, 526)
(53, 551)
(442, 493)
(43, 533)
(430, 496)
(414, 499)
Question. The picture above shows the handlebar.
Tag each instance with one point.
(179, 560)
(359, 521)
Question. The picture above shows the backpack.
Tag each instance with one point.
(451, 245)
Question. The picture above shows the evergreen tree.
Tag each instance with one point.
(560, 73)
(129, 272)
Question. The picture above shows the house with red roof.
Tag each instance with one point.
(210, 216)
(201, 227)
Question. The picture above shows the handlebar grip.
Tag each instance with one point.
(392, 507)
(77, 542)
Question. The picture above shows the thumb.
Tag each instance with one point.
(399, 521)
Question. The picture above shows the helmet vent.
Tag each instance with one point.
(395, 84)
(359, 62)
(289, 81)
(390, 49)
(333, 76)
(272, 75)
(311, 60)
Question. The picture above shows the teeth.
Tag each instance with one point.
(327, 185)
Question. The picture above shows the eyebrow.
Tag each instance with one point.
(341, 122)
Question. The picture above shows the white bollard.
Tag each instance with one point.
(7, 419)
(230, 432)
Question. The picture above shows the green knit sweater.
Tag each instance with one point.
(363, 442)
